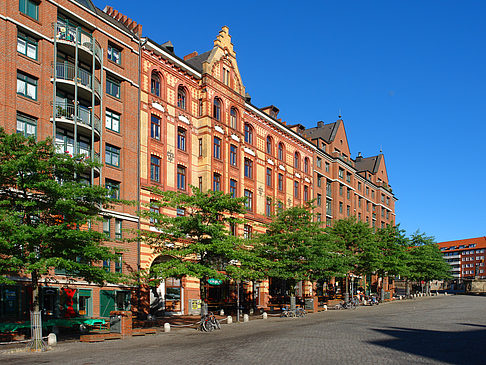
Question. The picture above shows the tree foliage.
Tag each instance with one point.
(198, 243)
(393, 249)
(45, 212)
(297, 248)
(426, 261)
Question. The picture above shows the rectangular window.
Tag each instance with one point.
(155, 168)
(341, 173)
(27, 45)
(113, 87)
(348, 177)
(233, 188)
(348, 193)
(306, 193)
(268, 207)
(249, 200)
(348, 210)
(280, 182)
(26, 86)
(232, 227)
(200, 107)
(217, 148)
(319, 180)
(247, 231)
(119, 264)
(367, 190)
(114, 54)
(118, 229)
(319, 162)
(359, 186)
(359, 202)
(248, 168)
(112, 155)
(155, 127)
(340, 189)
(373, 194)
(30, 8)
(359, 216)
(112, 121)
(154, 209)
(340, 207)
(181, 139)
(26, 125)
(107, 265)
(181, 177)
(382, 198)
(319, 200)
(328, 207)
(296, 189)
(113, 188)
(233, 155)
(216, 182)
(200, 183)
(327, 167)
(328, 189)
(318, 217)
(269, 177)
(106, 226)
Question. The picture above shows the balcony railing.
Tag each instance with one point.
(65, 109)
(68, 33)
(67, 71)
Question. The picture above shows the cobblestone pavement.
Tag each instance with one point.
(432, 330)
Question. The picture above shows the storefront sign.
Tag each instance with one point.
(215, 281)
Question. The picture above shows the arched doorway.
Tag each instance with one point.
(168, 296)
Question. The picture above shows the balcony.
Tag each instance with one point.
(66, 38)
(66, 74)
(64, 114)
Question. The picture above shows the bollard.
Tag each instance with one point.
(246, 318)
(221, 312)
(400, 297)
(264, 315)
(52, 339)
(325, 308)
(229, 319)
(445, 293)
(166, 327)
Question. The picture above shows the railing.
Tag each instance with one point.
(67, 71)
(72, 34)
(65, 109)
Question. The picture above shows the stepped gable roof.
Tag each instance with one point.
(327, 131)
(370, 164)
(196, 62)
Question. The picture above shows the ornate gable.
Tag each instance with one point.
(223, 58)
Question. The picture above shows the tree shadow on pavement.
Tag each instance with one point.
(453, 347)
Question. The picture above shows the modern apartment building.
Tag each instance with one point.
(89, 79)
(70, 72)
(466, 257)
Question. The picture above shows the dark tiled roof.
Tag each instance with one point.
(370, 164)
(197, 61)
(327, 132)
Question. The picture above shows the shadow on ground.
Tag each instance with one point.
(459, 347)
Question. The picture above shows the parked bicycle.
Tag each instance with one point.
(351, 304)
(300, 312)
(209, 323)
(287, 312)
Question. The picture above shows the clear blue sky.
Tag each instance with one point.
(408, 76)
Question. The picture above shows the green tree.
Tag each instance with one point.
(358, 246)
(45, 214)
(394, 253)
(426, 261)
(296, 248)
(199, 242)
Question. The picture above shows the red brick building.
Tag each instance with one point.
(54, 56)
(466, 257)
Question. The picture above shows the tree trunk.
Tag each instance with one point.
(407, 288)
(35, 291)
(202, 293)
(382, 291)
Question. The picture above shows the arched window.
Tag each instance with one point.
(217, 109)
(155, 83)
(269, 145)
(233, 118)
(248, 133)
(280, 151)
(296, 160)
(181, 97)
(306, 165)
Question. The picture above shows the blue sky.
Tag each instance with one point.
(408, 77)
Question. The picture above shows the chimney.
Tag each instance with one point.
(169, 46)
(359, 157)
(320, 124)
(190, 55)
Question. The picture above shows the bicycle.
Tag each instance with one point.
(286, 312)
(209, 323)
(300, 312)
